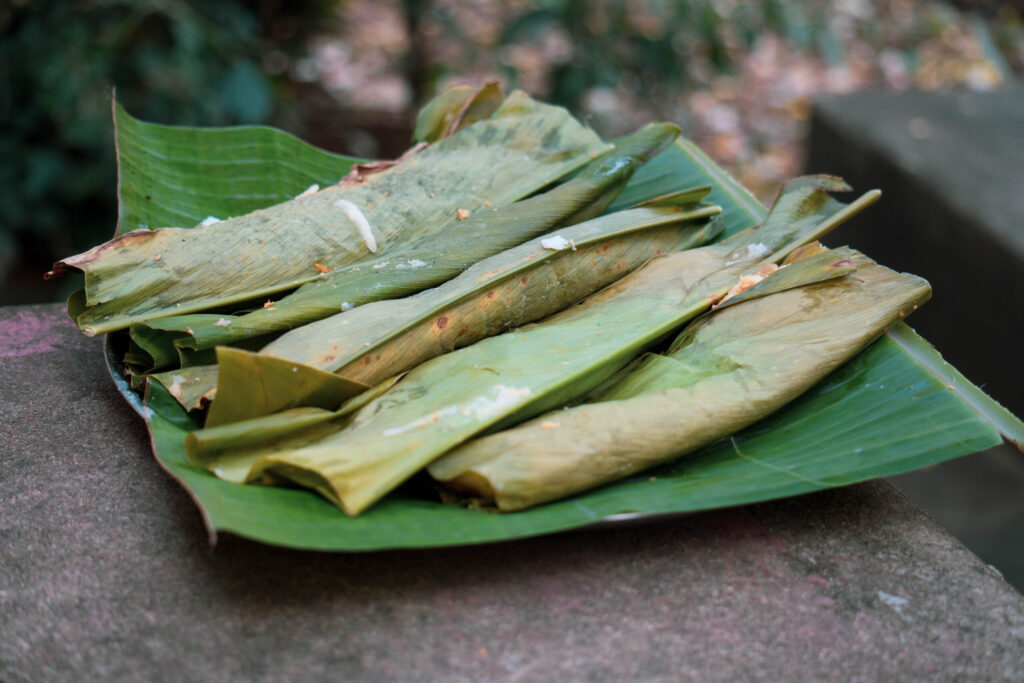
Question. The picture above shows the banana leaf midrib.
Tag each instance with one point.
(922, 353)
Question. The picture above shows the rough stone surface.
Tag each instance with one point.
(105, 574)
(978, 500)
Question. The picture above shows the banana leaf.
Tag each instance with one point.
(230, 450)
(685, 165)
(429, 260)
(193, 387)
(454, 109)
(895, 407)
(369, 343)
(177, 175)
(727, 370)
(382, 338)
(146, 274)
(375, 340)
(443, 402)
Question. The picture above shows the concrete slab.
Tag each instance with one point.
(105, 574)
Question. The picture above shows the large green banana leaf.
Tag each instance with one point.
(147, 274)
(177, 175)
(429, 260)
(895, 407)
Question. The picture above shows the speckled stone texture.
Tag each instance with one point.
(106, 574)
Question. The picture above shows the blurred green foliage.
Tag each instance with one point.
(655, 50)
(649, 48)
(738, 77)
(703, 64)
(653, 46)
(195, 62)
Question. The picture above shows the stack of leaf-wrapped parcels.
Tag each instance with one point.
(490, 309)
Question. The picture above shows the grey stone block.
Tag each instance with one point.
(105, 574)
(951, 168)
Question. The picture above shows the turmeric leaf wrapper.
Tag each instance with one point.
(726, 371)
(146, 274)
(504, 379)
(427, 261)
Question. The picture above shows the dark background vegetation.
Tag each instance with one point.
(350, 74)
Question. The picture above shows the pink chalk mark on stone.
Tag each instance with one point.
(816, 578)
(28, 334)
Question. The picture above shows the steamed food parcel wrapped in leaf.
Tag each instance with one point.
(429, 260)
(504, 379)
(368, 344)
(147, 274)
(265, 398)
(724, 372)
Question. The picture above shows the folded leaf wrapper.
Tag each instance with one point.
(146, 274)
(442, 403)
(726, 371)
(520, 285)
(427, 261)
(455, 108)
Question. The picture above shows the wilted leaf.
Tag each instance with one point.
(725, 371)
(443, 402)
(372, 342)
(147, 274)
(429, 260)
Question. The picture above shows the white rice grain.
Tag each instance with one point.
(357, 217)
(557, 243)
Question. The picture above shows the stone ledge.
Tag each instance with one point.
(105, 574)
